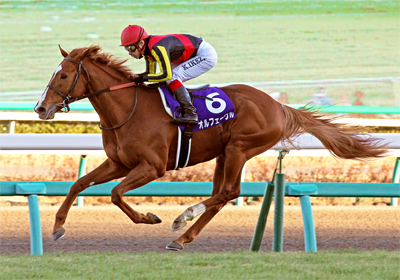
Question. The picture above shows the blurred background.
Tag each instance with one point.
(323, 52)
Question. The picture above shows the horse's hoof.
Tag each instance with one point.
(154, 218)
(174, 246)
(179, 223)
(58, 234)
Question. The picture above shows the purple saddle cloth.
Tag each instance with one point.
(214, 108)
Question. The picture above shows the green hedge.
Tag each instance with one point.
(51, 127)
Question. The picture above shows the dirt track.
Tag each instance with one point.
(106, 228)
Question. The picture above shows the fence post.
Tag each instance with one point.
(262, 218)
(279, 188)
(11, 127)
(310, 240)
(36, 228)
(82, 172)
(394, 201)
(304, 191)
(277, 244)
(32, 190)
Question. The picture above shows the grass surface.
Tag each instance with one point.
(345, 264)
(256, 41)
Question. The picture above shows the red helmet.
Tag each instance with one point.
(132, 35)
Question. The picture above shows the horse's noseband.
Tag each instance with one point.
(67, 97)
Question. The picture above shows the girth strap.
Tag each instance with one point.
(186, 143)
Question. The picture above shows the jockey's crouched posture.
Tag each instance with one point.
(180, 57)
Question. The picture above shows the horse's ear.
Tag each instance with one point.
(64, 53)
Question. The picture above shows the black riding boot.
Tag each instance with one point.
(189, 114)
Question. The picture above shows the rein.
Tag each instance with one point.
(130, 116)
(68, 100)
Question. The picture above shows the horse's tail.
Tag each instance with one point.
(339, 139)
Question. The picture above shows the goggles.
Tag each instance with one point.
(131, 48)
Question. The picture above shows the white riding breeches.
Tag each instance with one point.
(205, 59)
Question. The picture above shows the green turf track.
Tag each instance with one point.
(256, 40)
(345, 264)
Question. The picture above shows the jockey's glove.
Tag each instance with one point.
(139, 79)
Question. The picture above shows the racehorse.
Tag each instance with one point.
(141, 142)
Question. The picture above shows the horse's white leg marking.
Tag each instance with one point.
(189, 214)
(43, 97)
(193, 211)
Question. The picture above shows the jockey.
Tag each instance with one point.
(180, 57)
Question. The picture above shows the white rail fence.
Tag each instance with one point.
(91, 143)
(92, 117)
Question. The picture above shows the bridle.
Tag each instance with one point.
(67, 98)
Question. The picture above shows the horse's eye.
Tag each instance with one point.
(64, 76)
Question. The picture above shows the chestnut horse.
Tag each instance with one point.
(141, 142)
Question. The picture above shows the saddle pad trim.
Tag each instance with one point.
(164, 101)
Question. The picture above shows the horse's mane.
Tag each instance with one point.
(96, 54)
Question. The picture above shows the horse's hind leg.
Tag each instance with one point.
(193, 211)
(194, 230)
(107, 171)
(197, 227)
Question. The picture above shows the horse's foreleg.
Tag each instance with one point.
(141, 175)
(107, 171)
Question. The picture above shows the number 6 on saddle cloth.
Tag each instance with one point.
(213, 107)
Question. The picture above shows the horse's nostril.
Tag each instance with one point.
(40, 110)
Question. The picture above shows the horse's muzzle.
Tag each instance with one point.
(44, 113)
